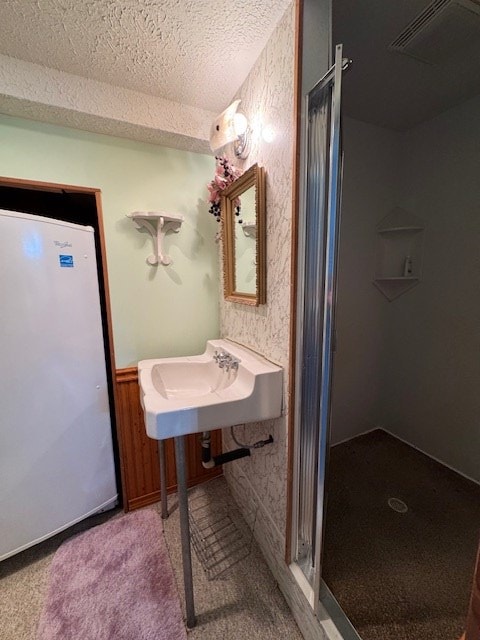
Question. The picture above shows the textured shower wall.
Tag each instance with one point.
(430, 395)
(371, 186)
(259, 482)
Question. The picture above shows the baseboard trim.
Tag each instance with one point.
(129, 374)
(144, 501)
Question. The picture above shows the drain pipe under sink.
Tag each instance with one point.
(209, 462)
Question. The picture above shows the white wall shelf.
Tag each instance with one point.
(158, 224)
(249, 229)
(399, 253)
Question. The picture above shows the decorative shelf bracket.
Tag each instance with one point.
(158, 224)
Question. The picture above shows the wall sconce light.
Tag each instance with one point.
(231, 127)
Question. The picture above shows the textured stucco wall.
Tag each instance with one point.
(259, 482)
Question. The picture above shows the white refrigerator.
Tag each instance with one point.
(56, 455)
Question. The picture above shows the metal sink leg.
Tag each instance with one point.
(163, 479)
(185, 529)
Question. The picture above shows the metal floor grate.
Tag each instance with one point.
(217, 539)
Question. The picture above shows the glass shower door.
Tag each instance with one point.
(315, 312)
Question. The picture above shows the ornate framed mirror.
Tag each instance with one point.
(244, 238)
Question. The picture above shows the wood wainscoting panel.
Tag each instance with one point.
(140, 467)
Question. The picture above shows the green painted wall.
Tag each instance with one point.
(157, 311)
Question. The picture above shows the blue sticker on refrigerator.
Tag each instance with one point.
(65, 261)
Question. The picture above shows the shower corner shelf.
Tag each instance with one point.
(158, 224)
(399, 236)
(405, 229)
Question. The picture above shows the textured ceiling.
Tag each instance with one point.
(29, 90)
(196, 52)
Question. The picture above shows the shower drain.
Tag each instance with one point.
(397, 505)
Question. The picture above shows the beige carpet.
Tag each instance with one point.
(24, 580)
(243, 602)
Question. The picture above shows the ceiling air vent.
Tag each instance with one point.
(441, 31)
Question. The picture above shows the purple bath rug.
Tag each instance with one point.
(113, 582)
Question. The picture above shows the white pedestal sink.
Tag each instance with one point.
(200, 393)
(225, 386)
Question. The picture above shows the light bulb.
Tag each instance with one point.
(268, 133)
(240, 124)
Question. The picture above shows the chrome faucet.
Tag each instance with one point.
(225, 360)
(220, 357)
(233, 364)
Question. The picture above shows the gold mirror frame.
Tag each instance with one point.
(253, 177)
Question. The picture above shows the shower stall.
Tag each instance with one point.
(386, 484)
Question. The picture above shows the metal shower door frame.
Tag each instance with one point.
(331, 81)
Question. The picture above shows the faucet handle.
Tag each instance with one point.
(220, 357)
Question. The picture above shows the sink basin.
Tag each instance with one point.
(190, 379)
(200, 393)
